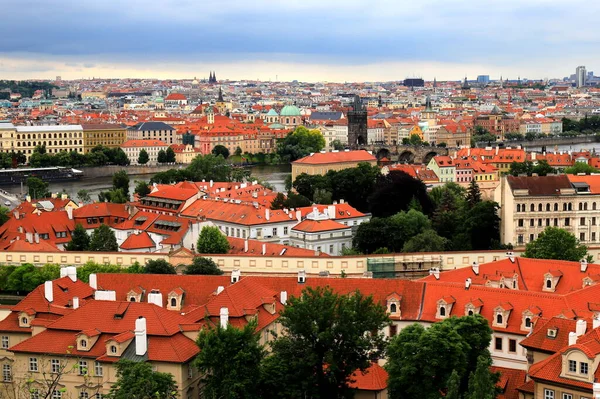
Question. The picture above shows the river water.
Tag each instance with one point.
(273, 174)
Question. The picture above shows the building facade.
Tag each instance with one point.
(132, 149)
(153, 131)
(106, 135)
(322, 162)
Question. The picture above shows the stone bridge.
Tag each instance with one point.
(418, 154)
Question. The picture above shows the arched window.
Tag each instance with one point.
(564, 207)
(570, 207)
(581, 206)
(393, 308)
(132, 299)
(532, 208)
(83, 343)
(113, 349)
(173, 302)
(585, 206)
(548, 283)
(527, 322)
(442, 311)
(499, 319)
(593, 206)
(540, 208)
(518, 207)
(470, 313)
(24, 320)
(556, 207)
(287, 121)
(547, 207)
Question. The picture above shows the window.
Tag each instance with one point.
(582, 221)
(113, 349)
(548, 283)
(555, 222)
(567, 222)
(581, 236)
(531, 237)
(442, 311)
(520, 239)
(520, 222)
(498, 343)
(24, 320)
(34, 393)
(84, 395)
(583, 368)
(393, 308)
(6, 373)
(499, 319)
(4, 342)
(572, 366)
(548, 394)
(331, 249)
(393, 330)
(56, 394)
(83, 343)
(531, 222)
(539, 222)
(512, 345)
(285, 231)
(539, 207)
(556, 207)
(83, 367)
(532, 208)
(547, 207)
(528, 322)
(33, 364)
(567, 396)
(55, 366)
(190, 371)
(98, 371)
(593, 236)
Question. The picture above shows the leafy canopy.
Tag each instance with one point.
(556, 243)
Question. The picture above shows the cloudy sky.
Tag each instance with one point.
(309, 40)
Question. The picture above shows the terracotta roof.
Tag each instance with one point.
(540, 185)
(138, 241)
(315, 226)
(143, 143)
(238, 247)
(510, 380)
(320, 158)
(372, 379)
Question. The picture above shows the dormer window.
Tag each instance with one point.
(24, 321)
(548, 283)
(499, 318)
(173, 302)
(470, 312)
(393, 308)
(132, 299)
(442, 311)
(113, 349)
(528, 322)
(444, 307)
(83, 343)
(501, 315)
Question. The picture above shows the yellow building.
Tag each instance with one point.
(322, 162)
(185, 154)
(107, 135)
(25, 138)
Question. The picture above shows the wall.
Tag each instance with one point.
(104, 171)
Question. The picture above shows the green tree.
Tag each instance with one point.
(212, 241)
(114, 196)
(209, 167)
(556, 243)
(83, 272)
(238, 152)
(137, 380)
(300, 143)
(453, 386)
(415, 139)
(170, 155)
(37, 188)
(328, 337)
(203, 266)
(103, 240)
(473, 194)
(28, 277)
(278, 202)
(158, 266)
(580, 167)
(337, 145)
(220, 150)
(80, 240)
(296, 201)
(161, 157)
(394, 193)
(230, 361)
(482, 225)
(4, 215)
(482, 384)
(142, 188)
(143, 157)
(120, 181)
(83, 195)
(521, 168)
(5, 272)
(322, 196)
(427, 241)
(543, 168)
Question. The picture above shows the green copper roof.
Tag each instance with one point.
(272, 112)
(290, 110)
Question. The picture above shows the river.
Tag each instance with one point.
(273, 174)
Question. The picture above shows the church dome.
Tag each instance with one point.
(272, 112)
(290, 110)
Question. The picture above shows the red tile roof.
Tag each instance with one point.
(320, 158)
(372, 379)
(143, 143)
(510, 380)
(315, 226)
(237, 247)
(540, 185)
(138, 241)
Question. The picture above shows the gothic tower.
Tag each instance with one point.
(357, 124)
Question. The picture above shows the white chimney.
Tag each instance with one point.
(596, 390)
(342, 201)
(467, 283)
(283, 297)
(475, 268)
(533, 156)
(331, 211)
(580, 327)
(511, 256)
(264, 248)
(301, 276)
(75, 302)
(28, 198)
(36, 238)
(224, 314)
(211, 183)
(299, 216)
(93, 279)
(235, 276)
(220, 289)
(105, 295)
(596, 322)
(155, 298)
(246, 245)
(63, 272)
(72, 273)
(141, 340)
(16, 215)
(572, 338)
(583, 265)
(69, 212)
(29, 237)
(267, 213)
(48, 291)
(435, 272)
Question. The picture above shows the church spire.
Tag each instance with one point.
(221, 95)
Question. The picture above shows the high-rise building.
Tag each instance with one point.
(580, 76)
(483, 79)
(357, 124)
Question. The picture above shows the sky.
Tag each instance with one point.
(309, 40)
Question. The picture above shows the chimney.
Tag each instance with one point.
(156, 298)
(72, 273)
(235, 276)
(64, 196)
(435, 272)
(331, 211)
(497, 149)
(29, 237)
(342, 201)
(141, 340)
(267, 213)
(69, 212)
(533, 155)
(48, 293)
(28, 198)
(583, 265)
(283, 297)
(93, 279)
(264, 248)
(246, 245)
(475, 268)
(596, 390)
(105, 295)
(580, 327)
(75, 302)
(36, 238)
(511, 256)
(220, 289)
(299, 216)
(572, 338)
(63, 272)
(224, 314)
(367, 274)
(467, 283)
(301, 276)
(16, 214)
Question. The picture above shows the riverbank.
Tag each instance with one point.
(93, 172)
(550, 142)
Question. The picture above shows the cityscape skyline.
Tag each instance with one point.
(296, 40)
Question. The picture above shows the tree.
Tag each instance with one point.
(278, 202)
(203, 266)
(143, 157)
(158, 266)
(84, 196)
(114, 196)
(238, 152)
(4, 215)
(161, 157)
(482, 384)
(37, 187)
(453, 383)
(220, 150)
(521, 168)
(543, 168)
(137, 380)
(230, 360)
(337, 145)
(395, 191)
(555, 243)
(212, 241)
(27, 277)
(415, 139)
(209, 167)
(120, 181)
(80, 240)
(103, 240)
(300, 143)
(580, 167)
(482, 225)
(322, 196)
(473, 194)
(170, 155)
(142, 189)
(296, 201)
(428, 241)
(328, 337)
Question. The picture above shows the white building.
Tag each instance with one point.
(132, 149)
(321, 234)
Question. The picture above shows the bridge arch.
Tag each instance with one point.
(406, 157)
(428, 157)
(383, 153)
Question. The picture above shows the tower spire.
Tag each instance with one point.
(221, 95)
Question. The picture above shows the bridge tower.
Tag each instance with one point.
(357, 124)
